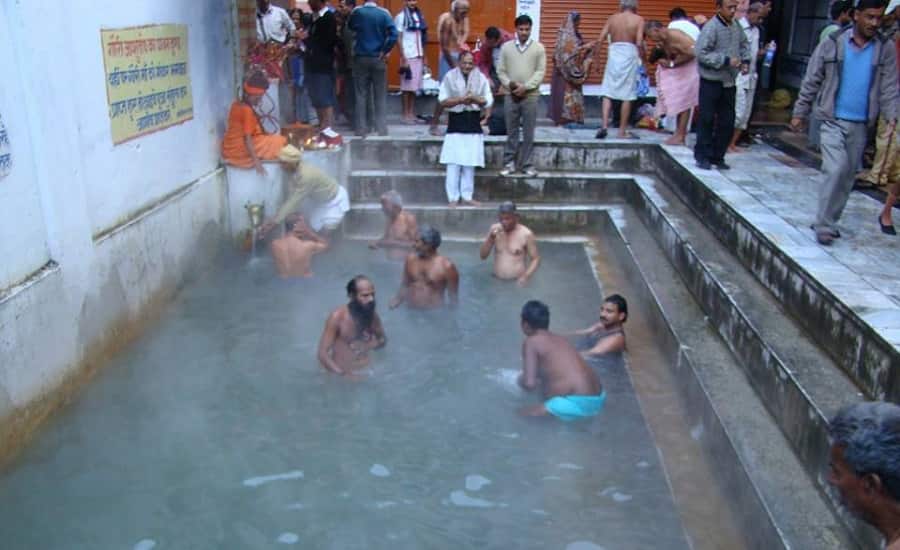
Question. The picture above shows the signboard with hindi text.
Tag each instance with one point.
(148, 84)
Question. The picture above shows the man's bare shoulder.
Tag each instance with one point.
(446, 263)
(338, 315)
(408, 217)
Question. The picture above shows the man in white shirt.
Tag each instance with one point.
(273, 24)
(745, 84)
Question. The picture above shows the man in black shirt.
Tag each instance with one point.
(319, 68)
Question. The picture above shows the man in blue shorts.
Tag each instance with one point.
(571, 389)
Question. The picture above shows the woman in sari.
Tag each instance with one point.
(245, 144)
(572, 63)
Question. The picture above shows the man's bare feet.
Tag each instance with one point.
(735, 149)
(453, 204)
(675, 140)
(435, 131)
(471, 203)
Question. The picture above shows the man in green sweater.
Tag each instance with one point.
(523, 63)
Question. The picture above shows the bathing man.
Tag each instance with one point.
(400, 230)
(865, 465)
(351, 331)
(427, 276)
(626, 31)
(607, 335)
(571, 388)
(294, 251)
(513, 242)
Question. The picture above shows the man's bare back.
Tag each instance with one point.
(677, 44)
(293, 255)
(625, 26)
(559, 367)
(399, 236)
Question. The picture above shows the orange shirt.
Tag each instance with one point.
(242, 121)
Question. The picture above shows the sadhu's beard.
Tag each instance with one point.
(362, 314)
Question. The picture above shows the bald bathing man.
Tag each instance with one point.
(571, 388)
(294, 251)
(607, 335)
(352, 330)
(400, 230)
(515, 247)
(427, 276)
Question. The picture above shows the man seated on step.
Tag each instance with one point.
(864, 465)
(607, 335)
(352, 331)
(516, 255)
(427, 276)
(400, 229)
(294, 251)
(571, 388)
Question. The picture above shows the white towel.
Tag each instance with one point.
(621, 75)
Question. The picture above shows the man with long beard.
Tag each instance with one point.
(427, 276)
(352, 331)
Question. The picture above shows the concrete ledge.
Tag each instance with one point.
(758, 522)
(864, 354)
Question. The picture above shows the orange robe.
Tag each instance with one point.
(242, 121)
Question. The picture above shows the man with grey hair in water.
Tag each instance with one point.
(865, 465)
(400, 230)
(427, 276)
(515, 247)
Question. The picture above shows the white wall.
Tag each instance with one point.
(23, 238)
(69, 183)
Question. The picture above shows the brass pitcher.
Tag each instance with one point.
(256, 213)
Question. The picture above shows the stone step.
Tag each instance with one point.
(412, 153)
(800, 384)
(365, 220)
(730, 419)
(427, 186)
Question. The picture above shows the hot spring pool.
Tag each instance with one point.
(218, 429)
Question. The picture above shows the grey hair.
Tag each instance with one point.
(755, 7)
(870, 436)
(430, 236)
(393, 197)
(507, 207)
(628, 4)
(456, 4)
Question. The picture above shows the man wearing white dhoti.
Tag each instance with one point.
(625, 30)
(466, 94)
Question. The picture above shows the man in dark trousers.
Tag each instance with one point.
(850, 80)
(722, 51)
(375, 34)
(319, 68)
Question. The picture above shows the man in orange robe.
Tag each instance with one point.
(245, 144)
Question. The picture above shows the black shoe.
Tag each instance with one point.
(833, 232)
(704, 165)
(723, 166)
(886, 229)
(601, 133)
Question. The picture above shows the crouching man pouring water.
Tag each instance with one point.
(571, 389)
(352, 331)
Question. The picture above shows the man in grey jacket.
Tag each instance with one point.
(850, 79)
(722, 50)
